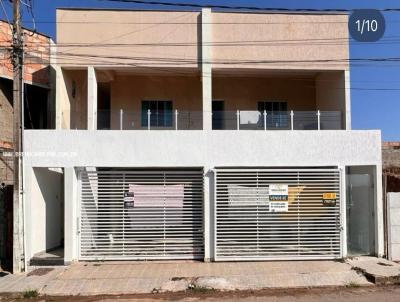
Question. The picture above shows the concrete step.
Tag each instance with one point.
(377, 270)
(48, 258)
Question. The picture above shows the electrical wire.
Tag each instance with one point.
(250, 8)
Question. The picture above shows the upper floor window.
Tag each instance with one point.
(277, 114)
(272, 107)
(160, 113)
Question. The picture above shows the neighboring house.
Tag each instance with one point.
(391, 166)
(37, 103)
(391, 198)
(38, 114)
(203, 135)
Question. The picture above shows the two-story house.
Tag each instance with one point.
(202, 135)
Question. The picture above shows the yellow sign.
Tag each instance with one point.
(329, 196)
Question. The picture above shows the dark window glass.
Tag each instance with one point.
(277, 115)
(161, 113)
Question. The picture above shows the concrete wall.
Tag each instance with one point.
(46, 208)
(147, 36)
(172, 39)
(208, 149)
(393, 214)
(71, 99)
(127, 93)
(201, 148)
(330, 89)
(243, 93)
(283, 41)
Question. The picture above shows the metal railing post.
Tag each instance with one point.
(265, 120)
(121, 119)
(319, 119)
(237, 119)
(291, 119)
(148, 119)
(176, 119)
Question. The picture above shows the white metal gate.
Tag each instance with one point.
(141, 214)
(247, 228)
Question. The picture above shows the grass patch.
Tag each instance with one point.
(30, 294)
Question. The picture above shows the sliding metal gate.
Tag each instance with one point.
(141, 214)
(249, 225)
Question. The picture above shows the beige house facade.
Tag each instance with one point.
(205, 135)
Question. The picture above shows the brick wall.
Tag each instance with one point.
(6, 133)
(391, 155)
(36, 71)
(36, 55)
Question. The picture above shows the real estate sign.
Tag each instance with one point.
(278, 192)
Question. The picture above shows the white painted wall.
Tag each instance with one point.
(92, 99)
(72, 149)
(46, 210)
(70, 217)
(206, 66)
(393, 216)
(114, 148)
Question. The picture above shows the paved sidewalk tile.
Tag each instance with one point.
(143, 277)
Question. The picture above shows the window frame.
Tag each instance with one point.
(157, 120)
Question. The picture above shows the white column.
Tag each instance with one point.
(206, 67)
(51, 97)
(61, 98)
(208, 220)
(29, 229)
(343, 214)
(379, 225)
(70, 214)
(92, 99)
(347, 99)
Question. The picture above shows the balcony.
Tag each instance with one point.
(281, 120)
(149, 120)
(221, 120)
(245, 100)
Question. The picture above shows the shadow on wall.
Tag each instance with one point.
(6, 226)
(45, 79)
(47, 208)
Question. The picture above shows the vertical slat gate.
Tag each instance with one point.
(247, 229)
(141, 214)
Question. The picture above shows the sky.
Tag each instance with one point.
(375, 93)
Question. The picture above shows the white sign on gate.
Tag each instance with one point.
(278, 192)
(278, 206)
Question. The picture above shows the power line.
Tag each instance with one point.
(193, 23)
(250, 8)
(269, 43)
(215, 61)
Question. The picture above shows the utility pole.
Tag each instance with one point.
(17, 58)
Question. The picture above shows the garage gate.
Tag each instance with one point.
(141, 214)
(252, 223)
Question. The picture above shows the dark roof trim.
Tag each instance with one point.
(214, 11)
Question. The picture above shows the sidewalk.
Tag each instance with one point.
(149, 277)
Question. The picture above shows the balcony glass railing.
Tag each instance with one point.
(282, 120)
(147, 120)
(221, 120)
